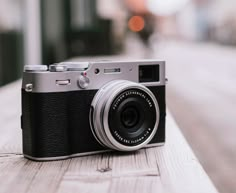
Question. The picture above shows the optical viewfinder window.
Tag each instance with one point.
(149, 73)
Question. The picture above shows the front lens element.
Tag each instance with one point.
(129, 117)
(132, 117)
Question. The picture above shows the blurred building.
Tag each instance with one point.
(48, 31)
(11, 40)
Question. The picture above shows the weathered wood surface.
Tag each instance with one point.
(170, 168)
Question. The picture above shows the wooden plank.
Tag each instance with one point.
(113, 172)
(170, 168)
(179, 168)
(114, 185)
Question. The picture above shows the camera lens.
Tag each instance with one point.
(125, 115)
(129, 117)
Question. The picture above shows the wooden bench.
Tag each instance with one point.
(169, 168)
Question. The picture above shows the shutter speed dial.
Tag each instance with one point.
(75, 66)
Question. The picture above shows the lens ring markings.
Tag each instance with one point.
(142, 126)
(104, 101)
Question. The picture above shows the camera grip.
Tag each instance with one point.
(44, 124)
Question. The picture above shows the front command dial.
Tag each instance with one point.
(83, 82)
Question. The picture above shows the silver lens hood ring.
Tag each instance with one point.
(102, 104)
(96, 117)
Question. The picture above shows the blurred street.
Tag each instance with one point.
(201, 95)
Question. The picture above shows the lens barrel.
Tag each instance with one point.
(124, 115)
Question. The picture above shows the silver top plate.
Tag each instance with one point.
(46, 81)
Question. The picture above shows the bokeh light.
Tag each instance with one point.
(136, 23)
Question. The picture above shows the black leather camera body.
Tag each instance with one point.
(81, 108)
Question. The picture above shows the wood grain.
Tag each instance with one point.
(170, 168)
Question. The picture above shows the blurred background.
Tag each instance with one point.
(197, 38)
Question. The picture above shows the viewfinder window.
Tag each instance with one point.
(149, 73)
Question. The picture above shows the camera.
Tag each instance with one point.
(80, 108)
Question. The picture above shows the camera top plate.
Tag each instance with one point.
(93, 75)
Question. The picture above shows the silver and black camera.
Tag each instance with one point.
(81, 108)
